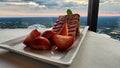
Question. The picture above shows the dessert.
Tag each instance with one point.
(62, 34)
(35, 41)
(48, 34)
(72, 21)
(63, 42)
(40, 43)
(35, 33)
(44, 41)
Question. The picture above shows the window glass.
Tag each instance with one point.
(38, 13)
(109, 18)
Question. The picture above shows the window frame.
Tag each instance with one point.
(93, 8)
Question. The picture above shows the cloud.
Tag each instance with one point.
(109, 1)
(50, 3)
(80, 2)
(110, 6)
(70, 4)
(25, 3)
(103, 1)
(10, 0)
(20, 7)
(56, 6)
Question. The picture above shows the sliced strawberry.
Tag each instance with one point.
(48, 34)
(40, 43)
(64, 30)
(34, 33)
(63, 42)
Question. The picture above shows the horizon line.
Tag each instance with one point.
(24, 14)
(45, 16)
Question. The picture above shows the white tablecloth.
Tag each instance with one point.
(96, 51)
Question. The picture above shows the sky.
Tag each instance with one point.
(14, 8)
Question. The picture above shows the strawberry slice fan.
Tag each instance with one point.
(44, 41)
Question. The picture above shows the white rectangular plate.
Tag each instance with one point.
(53, 56)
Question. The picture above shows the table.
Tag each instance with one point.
(96, 51)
